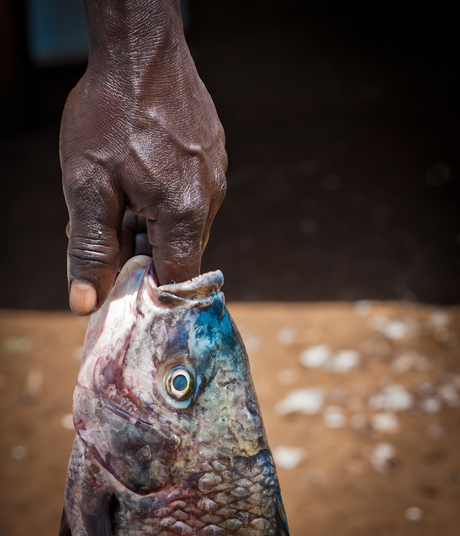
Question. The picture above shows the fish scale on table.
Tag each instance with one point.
(169, 439)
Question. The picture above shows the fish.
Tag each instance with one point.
(169, 434)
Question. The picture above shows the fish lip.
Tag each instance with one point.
(202, 288)
(204, 283)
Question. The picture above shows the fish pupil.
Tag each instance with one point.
(180, 382)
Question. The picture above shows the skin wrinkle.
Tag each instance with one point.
(91, 243)
(86, 259)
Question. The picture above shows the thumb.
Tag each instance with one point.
(93, 253)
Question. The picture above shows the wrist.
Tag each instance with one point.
(133, 37)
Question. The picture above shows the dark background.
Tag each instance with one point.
(342, 134)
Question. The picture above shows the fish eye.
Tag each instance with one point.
(178, 383)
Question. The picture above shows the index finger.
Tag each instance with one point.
(177, 248)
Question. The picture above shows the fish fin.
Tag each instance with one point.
(96, 499)
(282, 520)
(97, 522)
(64, 529)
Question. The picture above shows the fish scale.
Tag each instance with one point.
(170, 439)
(217, 512)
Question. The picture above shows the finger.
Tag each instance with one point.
(134, 238)
(177, 247)
(179, 233)
(95, 210)
(142, 245)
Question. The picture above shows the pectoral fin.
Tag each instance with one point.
(95, 498)
(64, 529)
(97, 520)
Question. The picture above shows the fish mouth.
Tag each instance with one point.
(201, 291)
(203, 284)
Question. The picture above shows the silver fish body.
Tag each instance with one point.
(169, 439)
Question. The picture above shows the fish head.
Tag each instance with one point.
(165, 387)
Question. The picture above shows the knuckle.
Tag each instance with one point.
(87, 173)
(91, 200)
(191, 206)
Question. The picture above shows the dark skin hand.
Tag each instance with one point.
(142, 151)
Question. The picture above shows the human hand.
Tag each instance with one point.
(139, 132)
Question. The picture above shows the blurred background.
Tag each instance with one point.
(342, 125)
(342, 134)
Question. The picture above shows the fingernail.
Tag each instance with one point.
(83, 297)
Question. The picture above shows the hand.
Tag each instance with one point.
(139, 132)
